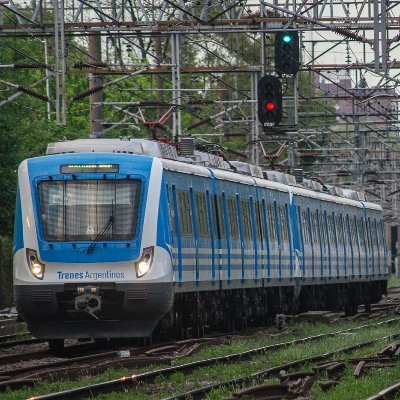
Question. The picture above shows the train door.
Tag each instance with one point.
(190, 227)
(227, 233)
(316, 236)
(297, 237)
(305, 241)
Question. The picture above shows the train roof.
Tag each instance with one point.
(186, 159)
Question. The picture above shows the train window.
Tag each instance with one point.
(346, 237)
(299, 225)
(375, 234)
(245, 209)
(368, 229)
(381, 233)
(322, 228)
(356, 234)
(271, 222)
(305, 226)
(314, 227)
(185, 217)
(201, 215)
(339, 229)
(232, 218)
(259, 220)
(353, 231)
(220, 217)
(331, 229)
(378, 232)
(171, 208)
(283, 223)
(361, 231)
(82, 209)
(344, 230)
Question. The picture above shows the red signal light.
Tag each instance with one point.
(270, 106)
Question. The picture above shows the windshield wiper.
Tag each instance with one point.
(101, 234)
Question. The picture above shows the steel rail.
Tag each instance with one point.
(386, 393)
(274, 371)
(132, 380)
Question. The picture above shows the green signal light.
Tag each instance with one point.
(287, 38)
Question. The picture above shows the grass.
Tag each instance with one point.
(180, 382)
(393, 281)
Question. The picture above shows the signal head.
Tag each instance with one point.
(287, 52)
(287, 38)
(269, 91)
(270, 106)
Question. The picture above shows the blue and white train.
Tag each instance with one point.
(114, 236)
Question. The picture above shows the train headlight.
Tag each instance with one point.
(144, 264)
(35, 265)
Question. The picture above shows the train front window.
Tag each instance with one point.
(80, 210)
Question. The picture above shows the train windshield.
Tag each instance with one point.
(82, 210)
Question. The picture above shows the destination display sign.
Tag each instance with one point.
(87, 168)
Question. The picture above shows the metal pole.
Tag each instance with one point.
(56, 60)
(176, 86)
(46, 61)
(262, 47)
(376, 34)
(383, 36)
(96, 110)
(255, 134)
(62, 66)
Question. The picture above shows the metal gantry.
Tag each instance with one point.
(204, 59)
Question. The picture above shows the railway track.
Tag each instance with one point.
(386, 393)
(11, 329)
(148, 377)
(93, 364)
(280, 371)
(70, 366)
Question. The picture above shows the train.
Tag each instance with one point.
(118, 238)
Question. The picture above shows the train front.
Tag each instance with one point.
(91, 254)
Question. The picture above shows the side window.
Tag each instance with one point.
(245, 208)
(220, 217)
(339, 229)
(381, 232)
(322, 227)
(232, 217)
(375, 233)
(305, 226)
(201, 215)
(354, 231)
(172, 208)
(361, 231)
(259, 220)
(185, 218)
(282, 222)
(299, 224)
(378, 233)
(271, 222)
(345, 232)
(368, 228)
(331, 229)
(314, 227)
